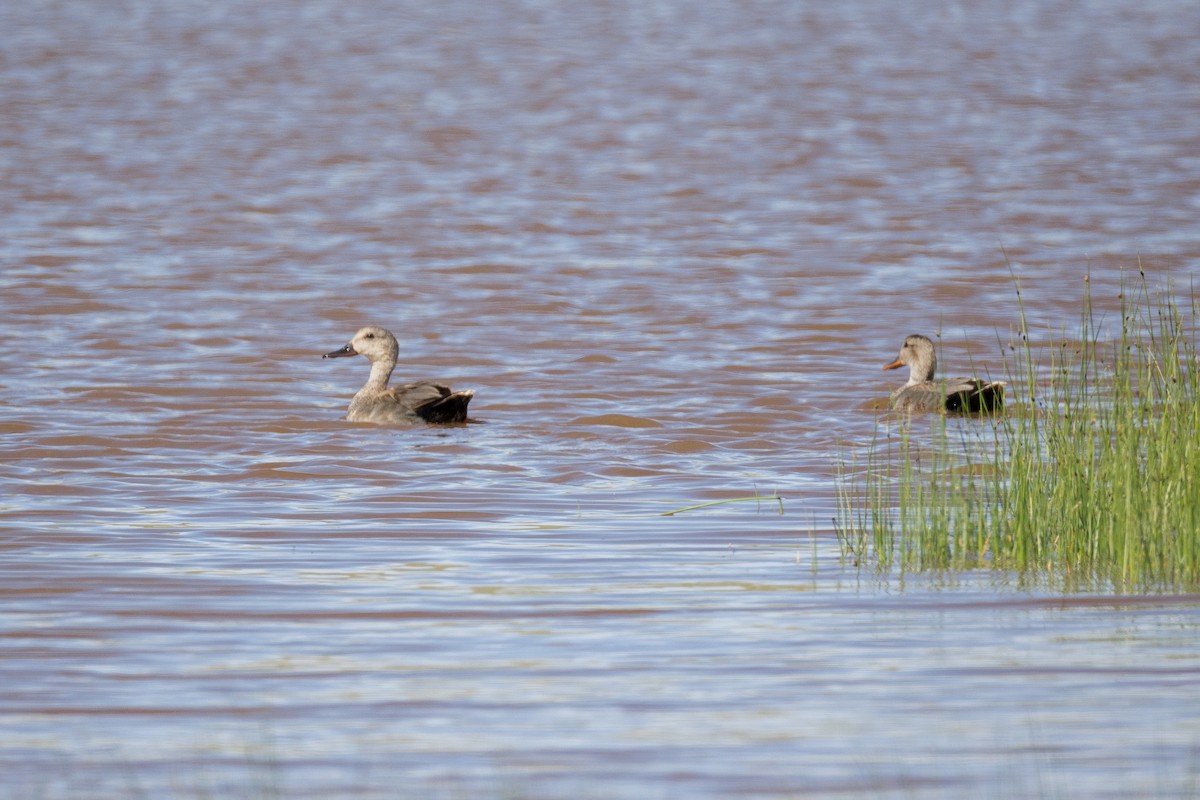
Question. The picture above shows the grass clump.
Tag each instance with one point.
(1092, 476)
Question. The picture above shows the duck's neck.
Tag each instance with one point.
(922, 371)
(381, 371)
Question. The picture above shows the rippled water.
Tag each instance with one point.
(670, 248)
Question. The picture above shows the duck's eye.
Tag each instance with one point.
(370, 336)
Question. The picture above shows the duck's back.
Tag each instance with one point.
(423, 401)
(955, 394)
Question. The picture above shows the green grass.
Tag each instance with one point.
(1090, 478)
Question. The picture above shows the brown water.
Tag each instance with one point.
(670, 245)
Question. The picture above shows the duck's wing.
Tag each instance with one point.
(432, 401)
(974, 395)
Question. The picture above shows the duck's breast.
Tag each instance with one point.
(919, 397)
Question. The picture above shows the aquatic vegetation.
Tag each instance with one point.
(1091, 478)
(756, 498)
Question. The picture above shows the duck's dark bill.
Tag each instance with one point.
(345, 351)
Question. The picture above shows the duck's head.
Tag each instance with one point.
(377, 344)
(918, 355)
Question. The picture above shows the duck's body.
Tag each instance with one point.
(923, 393)
(423, 401)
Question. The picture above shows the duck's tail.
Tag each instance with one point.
(447, 410)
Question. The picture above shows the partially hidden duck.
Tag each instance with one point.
(923, 393)
(423, 401)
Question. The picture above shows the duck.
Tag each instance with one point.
(923, 393)
(423, 401)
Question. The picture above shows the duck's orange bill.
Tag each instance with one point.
(894, 364)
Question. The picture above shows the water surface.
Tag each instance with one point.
(670, 250)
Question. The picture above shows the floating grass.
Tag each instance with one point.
(773, 497)
(1091, 476)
